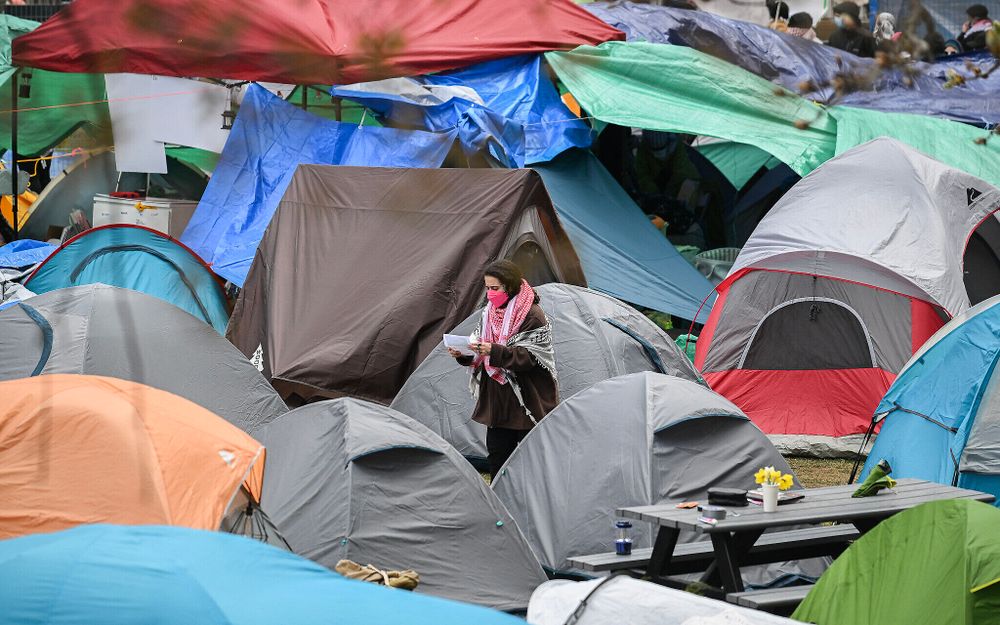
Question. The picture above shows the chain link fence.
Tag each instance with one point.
(36, 12)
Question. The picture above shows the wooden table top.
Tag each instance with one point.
(832, 503)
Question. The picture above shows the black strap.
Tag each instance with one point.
(132, 247)
(43, 325)
(647, 347)
(578, 612)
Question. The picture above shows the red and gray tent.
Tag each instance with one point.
(844, 279)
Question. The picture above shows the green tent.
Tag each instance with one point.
(937, 564)
(678, 89)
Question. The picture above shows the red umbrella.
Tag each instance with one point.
(300, 41)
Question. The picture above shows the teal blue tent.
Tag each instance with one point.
(141, 575)
(140, 259)
(942, 414)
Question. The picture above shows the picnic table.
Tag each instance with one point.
(734, 538)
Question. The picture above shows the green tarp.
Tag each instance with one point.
(952, 143)
(936, 563)
(678, 89)
(738, 162)
(42, 121)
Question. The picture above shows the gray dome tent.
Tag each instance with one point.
(102, 330)
(634, 440)
(351, 479)
(596, 337)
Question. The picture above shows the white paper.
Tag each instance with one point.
(461, 343)
(150, 111)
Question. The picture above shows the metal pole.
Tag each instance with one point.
(13, 148)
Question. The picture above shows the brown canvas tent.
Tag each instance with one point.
(362, 269)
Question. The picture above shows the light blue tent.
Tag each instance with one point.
(141, 575)
(269, 139)
(941, 417)
(140, 259)
(621, 252)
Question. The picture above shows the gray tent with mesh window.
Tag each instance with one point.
(634, 440)
(349, 479)
(595, 337)
(102, 330)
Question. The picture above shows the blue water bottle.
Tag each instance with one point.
(623, 544)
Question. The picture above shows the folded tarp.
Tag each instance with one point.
(677, 89)
(43, 118)
(24, 253)
(269, 139)
(621, 252)
(791, 61)
(509, 101)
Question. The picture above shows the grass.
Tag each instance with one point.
(816, 472)
(812, 472)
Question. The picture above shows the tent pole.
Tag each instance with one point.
(13, 149)
(305, 97)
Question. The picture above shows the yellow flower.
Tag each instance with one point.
(773, 475)
(760, 476)
(785, 482)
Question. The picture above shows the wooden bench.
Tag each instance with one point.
(781, 601)
(697, 556)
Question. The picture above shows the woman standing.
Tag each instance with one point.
(513, 373)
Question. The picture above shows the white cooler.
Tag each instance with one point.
(167, 216)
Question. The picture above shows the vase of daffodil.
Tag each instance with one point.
(771, 481)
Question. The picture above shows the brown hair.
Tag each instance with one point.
(507, 273)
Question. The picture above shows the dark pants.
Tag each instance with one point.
(500, 444)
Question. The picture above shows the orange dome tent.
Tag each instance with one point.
(86, 449)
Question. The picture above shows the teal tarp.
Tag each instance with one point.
(622, 253)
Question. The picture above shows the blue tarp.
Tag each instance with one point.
(790, 61)
(24, 253)
(622, 253)
(935, 403)
(136, 258)
(520, 108)
(145, 574)
(269, 139)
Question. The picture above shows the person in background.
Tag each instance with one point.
(952, 47)
(885, 29)
(849, 36)
(779, 15)
(801, 25)
(974, 30)
(514, 371)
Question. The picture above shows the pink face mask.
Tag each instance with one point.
(497, 298)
